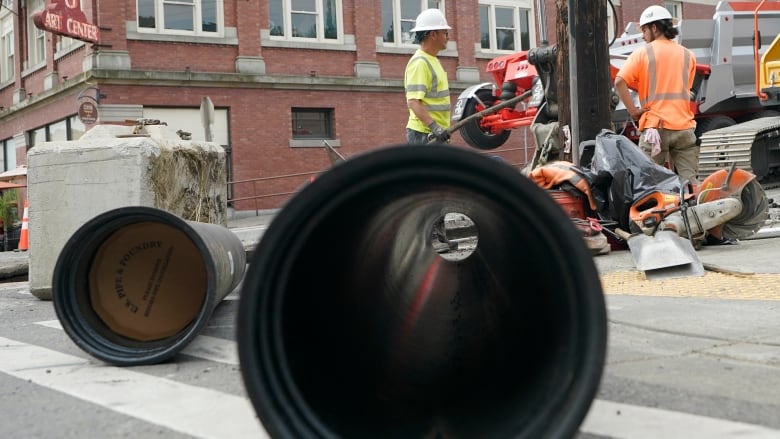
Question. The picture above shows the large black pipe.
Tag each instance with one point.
(351, 325)
(135, 285)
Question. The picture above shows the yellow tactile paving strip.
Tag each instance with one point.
(711, 285)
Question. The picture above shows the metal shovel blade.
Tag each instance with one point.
(665, 255)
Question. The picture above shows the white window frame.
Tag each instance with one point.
(401, 39)
(7, 49)
(516, 6)
(319, 14)
(36, 38)
(610, 24)
(6, 145)
(7, 154)
(197, 23)
(675, 9)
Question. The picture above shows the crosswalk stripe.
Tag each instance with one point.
(200, 412)
(618, 420)
(208, 348)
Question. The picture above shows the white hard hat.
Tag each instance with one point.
(430, 19)
(654, 13)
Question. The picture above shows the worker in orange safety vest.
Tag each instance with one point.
(662, 74)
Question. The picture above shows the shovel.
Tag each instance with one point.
(663, 255)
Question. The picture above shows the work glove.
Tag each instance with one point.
(438, 133)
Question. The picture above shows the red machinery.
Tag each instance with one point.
(725, 92)
(513, 75)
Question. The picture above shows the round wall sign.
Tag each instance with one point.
(88, 113)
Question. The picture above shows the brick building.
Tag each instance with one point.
(281, 79)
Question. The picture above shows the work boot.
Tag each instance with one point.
(711, 240)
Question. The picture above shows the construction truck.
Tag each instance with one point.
(735, 97)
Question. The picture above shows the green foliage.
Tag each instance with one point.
(9, 210)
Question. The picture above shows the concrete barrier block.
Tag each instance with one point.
(111, 166)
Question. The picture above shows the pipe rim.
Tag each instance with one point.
(89, 332)
(272, 390)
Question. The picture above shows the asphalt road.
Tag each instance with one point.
(678, 367)
(692, 358)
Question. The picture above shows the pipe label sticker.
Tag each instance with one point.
(148, 281)
(118, 282)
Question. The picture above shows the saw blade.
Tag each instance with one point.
(754, 213)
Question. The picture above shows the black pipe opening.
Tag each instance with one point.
(134, 285)
(352, 326)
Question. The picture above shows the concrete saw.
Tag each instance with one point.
(668, 227)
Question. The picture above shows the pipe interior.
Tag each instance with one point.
(142, 282)
(383, 337)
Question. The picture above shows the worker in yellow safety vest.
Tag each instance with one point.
(662, 74)
(428, 97)
(425, 81)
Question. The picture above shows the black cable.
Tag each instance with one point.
(614, 22)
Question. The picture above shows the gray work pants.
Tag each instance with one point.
(681, 146)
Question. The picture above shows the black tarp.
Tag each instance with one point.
(620, 172)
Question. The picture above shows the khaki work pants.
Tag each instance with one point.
(683, 152)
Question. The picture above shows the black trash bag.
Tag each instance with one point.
(620, 172)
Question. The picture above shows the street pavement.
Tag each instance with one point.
(688, 358)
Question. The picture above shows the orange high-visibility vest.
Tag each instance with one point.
(662, 73)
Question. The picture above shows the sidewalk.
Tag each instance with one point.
(748, 270)
(758, 255)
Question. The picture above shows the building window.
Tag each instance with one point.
(312, 123)
(58, 131)
(6, 48)
(67, 43)
(675, 9)
(6, 145)
(401, 14)
(66, 129)
(610, 25)
(35, 137)
(316, 20)
(183, 17)
(76, 129)
(505, 26)
(36, 53)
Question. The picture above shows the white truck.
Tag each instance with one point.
(737, 82)
(736, 93)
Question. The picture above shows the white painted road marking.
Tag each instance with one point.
(618, 420)
(607, 418)
(205, 347)
(200, 412)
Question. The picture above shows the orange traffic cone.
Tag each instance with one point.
(24, 236)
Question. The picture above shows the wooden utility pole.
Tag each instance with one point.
(562, 41)
(583, 55)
